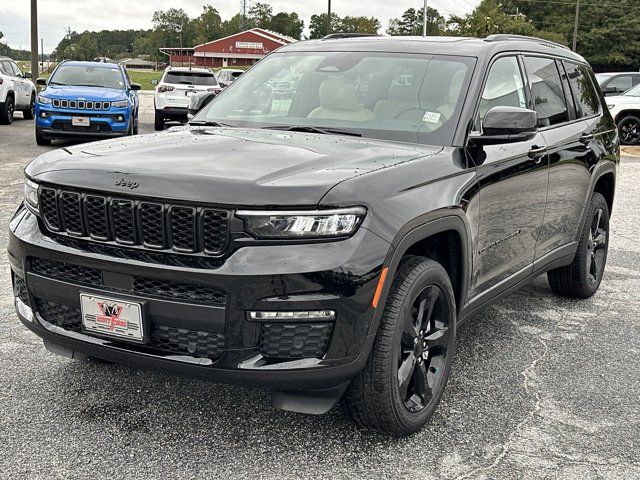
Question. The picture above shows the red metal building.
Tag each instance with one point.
(241, 49)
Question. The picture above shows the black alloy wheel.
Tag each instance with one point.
(6, 114)
(424, 347)
(629, 129)
(597, 248)
(30, 113)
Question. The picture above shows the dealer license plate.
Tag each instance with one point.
(112, 317)
(81, 121)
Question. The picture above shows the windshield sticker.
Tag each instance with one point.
(431, 117)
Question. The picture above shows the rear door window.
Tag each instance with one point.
(584, 93)
(546, 91)
(191, 78)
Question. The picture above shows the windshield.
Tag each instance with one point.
(391, 96)
(633, 92)
(88, 76)
(191, 78)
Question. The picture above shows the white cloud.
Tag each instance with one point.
(80, 15)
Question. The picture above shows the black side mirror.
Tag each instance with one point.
(609, 90)
(506, 125)
(41, 81)
(28, 75)
(135, 86)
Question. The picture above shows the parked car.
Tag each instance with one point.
(171, 97)
(625, 110)
(617, 82)
(17, 92)
(330, 249)
(227, 76)
(86, 100)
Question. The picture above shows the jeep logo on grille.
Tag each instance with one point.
(123, 182)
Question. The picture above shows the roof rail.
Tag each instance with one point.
(501, 37)
(334, 36)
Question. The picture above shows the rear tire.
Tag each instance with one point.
(40, 140)
(581, 279)
(6, 113)
(629, 128)
(409, 365)
(158, 123)
(30, 113)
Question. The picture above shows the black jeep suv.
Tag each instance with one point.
(326, 240)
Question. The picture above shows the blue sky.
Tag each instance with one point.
(81, 15)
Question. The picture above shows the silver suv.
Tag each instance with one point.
(17, 92)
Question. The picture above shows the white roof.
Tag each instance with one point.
(187, 69)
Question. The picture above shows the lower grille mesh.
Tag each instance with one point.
(162, 338)
(290, 341)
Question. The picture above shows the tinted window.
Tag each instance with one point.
(622, 83)
(6, 68)
(546, 90)
(584, 93)
(88, 76)
(504, 87)
(191, 78)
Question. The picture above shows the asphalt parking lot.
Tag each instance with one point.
(543, 387)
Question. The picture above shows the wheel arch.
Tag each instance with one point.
(626, 112)
(444, 237)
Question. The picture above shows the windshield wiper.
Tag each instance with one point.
(58, 83)
(310, 129)
(209, 123)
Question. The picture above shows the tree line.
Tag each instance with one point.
(609, 34)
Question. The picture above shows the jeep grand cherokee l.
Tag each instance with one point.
(326, 244)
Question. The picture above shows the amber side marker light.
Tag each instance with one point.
(376, 296)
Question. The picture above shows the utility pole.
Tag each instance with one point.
(34, 38)
(575, 26)
(424, 19)
(42, 53)
(329, 19)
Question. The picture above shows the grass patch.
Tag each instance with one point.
(144, 77)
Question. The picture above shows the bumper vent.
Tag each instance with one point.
(169, 340)
(135, 222)
(291, 341)
(20, 289)
(190, 292)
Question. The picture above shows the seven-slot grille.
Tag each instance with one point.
(135, 222)
(81, 104)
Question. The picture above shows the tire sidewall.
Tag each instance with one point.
(629, 118)
(431, 276)
(597, 202)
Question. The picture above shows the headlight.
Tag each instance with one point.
(302, 224)
(44, 100)
(31, 193)
(122, 104)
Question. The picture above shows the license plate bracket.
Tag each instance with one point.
(113, 317)
(81, 121)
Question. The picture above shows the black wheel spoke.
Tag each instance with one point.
(434, 293)
(421, 383)
(437, 340)
(405, 373)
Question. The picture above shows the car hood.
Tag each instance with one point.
(88, 93)
(622, 100)
(226, 166)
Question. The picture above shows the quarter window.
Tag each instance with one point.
(504, 87)
(546, 90)
(584, 93)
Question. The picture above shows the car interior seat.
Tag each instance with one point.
(338, 101)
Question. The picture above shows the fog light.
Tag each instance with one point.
(43, 114)
(120, 118)
(306, 315)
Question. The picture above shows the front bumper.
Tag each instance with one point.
(53, 123)
(339, 276)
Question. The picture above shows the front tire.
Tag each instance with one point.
(629, 128)
(405, 375)
(40, 140)
(6, 113)
(581, 279)
(30, 113)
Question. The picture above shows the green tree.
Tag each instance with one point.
(208, 26)
(489, 18)
(411, 23)
(318, 25)
(235, 24)
(368, 25)
(260, 15)
(287, 24)
(86, 48)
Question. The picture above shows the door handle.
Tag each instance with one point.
(586, 138)
(537, 153)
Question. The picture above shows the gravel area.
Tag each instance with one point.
(542, 387)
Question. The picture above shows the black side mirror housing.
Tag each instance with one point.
(135, 86)
(28, 75)
(506, 125)
(41, 81)
(609, 90)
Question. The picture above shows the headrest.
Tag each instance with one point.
(336, 95)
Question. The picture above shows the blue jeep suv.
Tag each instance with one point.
(86, 99)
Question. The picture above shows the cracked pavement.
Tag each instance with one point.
(542, 388)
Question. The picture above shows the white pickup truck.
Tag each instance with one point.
(17, 92)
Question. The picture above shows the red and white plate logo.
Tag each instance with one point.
(112, 317)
